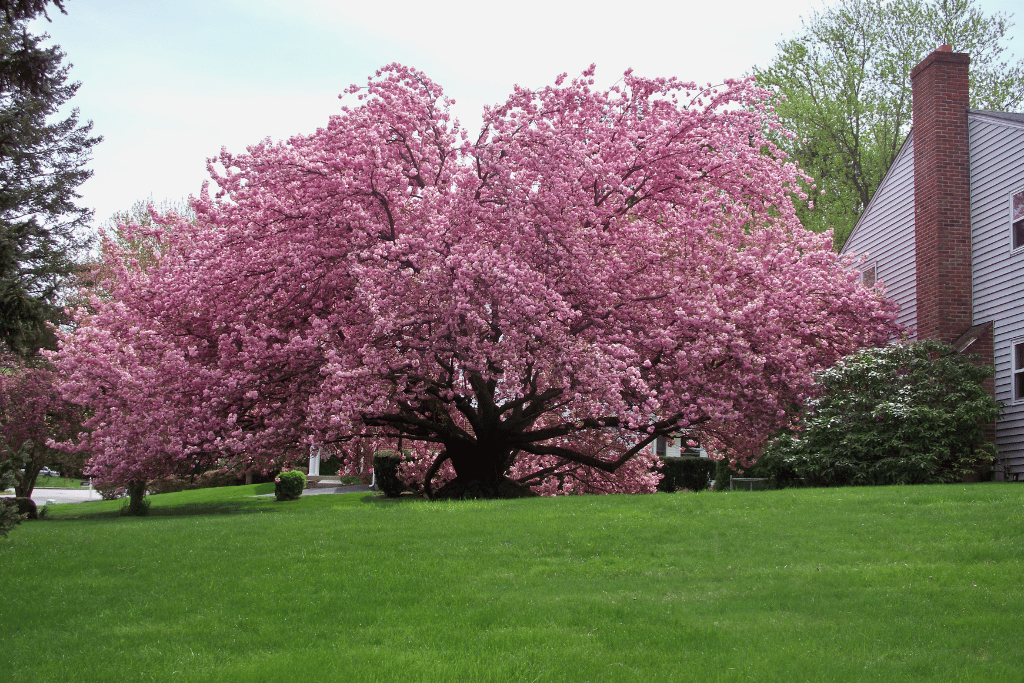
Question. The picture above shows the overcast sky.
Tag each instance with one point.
(168, 83)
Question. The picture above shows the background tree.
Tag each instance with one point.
(134, 248)
(909, 413)
(846, 77)
(32, 413)
(592, 270)
(16, 10)
(42, 161)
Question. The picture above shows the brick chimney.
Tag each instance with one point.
(942, 195)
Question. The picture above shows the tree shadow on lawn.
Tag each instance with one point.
(181, 510)
(237, 504)
(222, 501)
(380, 499)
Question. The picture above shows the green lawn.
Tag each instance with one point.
(870, 584)
(59, 483)
(52, 483)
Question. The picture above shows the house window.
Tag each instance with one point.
(1018, 371)
(691, 446)
(867, 276)
(660, 446)
(1017, 220)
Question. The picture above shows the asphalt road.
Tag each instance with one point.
(41, 494)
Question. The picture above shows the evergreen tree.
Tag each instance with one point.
(42, 162)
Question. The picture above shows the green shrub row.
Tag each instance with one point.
(778, 473)
(687, 472)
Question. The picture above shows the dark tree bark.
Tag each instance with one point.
(26, 481)
(137, 499)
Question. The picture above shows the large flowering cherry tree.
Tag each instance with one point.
(530, 306)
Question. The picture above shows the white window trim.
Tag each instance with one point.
(1020, 248)
(1015, 371)
(678, 440)
(873, 266)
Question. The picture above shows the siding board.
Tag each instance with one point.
(886, 233)
(997, 169)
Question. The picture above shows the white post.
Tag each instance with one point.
(314, 462)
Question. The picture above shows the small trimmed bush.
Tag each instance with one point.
(385, 470)
(289, 485)
(687, 472)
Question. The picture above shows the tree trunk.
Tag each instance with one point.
(480, 472)
(138, 506)
(463, 488)
(26, 481)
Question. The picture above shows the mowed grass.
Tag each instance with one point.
(59, 483)
(867, 584)
(52, 483)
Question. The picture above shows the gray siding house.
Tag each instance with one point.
(944, 233)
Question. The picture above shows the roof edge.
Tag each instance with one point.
(964, 341)
(999, 116)
(867, 209)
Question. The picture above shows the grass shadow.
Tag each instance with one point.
(183, 510)
(235, 500)
(404, 498)
(198, 502)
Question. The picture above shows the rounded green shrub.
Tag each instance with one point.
(912, 413)
(289, 485)
(385, 470)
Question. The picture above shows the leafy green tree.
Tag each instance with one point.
(43, 234)
(127, 237)
(907, 413)
(846, 79)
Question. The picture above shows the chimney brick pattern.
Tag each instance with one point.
(942, 195)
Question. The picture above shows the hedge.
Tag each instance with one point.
(687, 472)
(385, 472)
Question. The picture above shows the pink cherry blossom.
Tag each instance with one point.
(32, 416)
(534, 303)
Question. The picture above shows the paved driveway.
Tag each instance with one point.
(334, 489)
(40, 495)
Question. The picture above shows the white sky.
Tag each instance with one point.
(168, 83)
